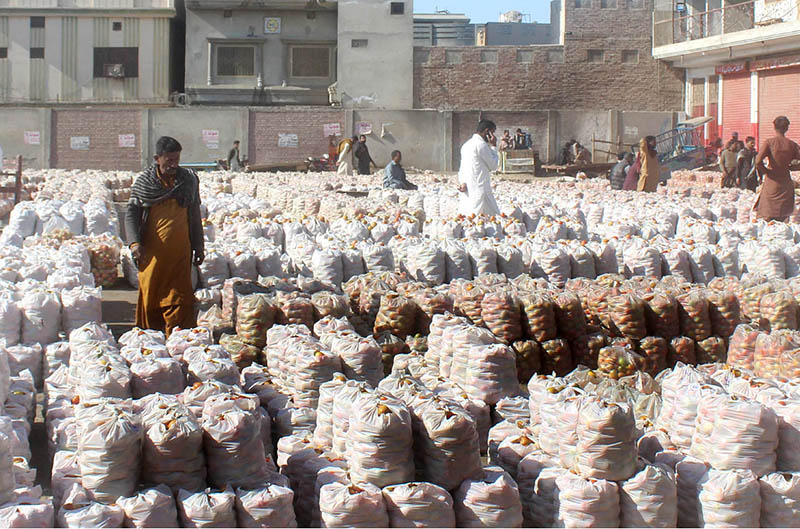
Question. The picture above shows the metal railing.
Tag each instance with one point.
(88, 4)
(671, 27)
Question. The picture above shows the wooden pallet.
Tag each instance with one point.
(17, 174)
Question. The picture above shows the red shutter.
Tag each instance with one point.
(736, 106)
(779, 95)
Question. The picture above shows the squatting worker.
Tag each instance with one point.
(394, 176)
(478, 159)
(164, 223)
(650, 172)
(776, 200)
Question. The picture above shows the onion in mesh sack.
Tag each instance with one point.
(751, 300)
(529, 359)
(682, 349)
(617, 362)
(627, 313)
(770, 348)
(694, 316)
(557, 357)
(742, 347)
(780, 310)
(662, 317)
(297, 309)
(242, 353)
(397, 315)
(712, 350)
(330, 304)
(570, 317)
(467, 302)
(500, 312)
(539, 318)
(723, 309)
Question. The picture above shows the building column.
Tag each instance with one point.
(46, 127)
(705, 106)
(720, 117)
(447, 154)
(754, 105)
(144, 137)
(552, 136)
(688, 94)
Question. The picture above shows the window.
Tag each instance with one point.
(37, 22)
(608, 4)
(116, 26)
(595, 56)
(422, 56)
(583, 4)
(489, 56)
(359, 43)
(311, 62)
(236, 61)
(116, 62)
(398, 8)
(37, 53)
(525, 56)
(452, 57)
(3, 53)
(630, 56)
(555, 56)
(227, 13)
(634, 4)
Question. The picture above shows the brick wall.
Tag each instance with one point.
(523, 78)
(267, 125)
(103, 128)
(534, 122)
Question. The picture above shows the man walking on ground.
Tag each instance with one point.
(165, 227)
(620, 171)
(345, 155)
(776, 200)
(650, 172)
(746, 168)
(234, 161)
(727, 163)
(361, 153)
(478, 159)
(394, 176)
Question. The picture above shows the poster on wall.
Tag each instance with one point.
(272, 25)
(32, 137)
(364, 127)
(332, 129)
(211, 138)
(79, 143)
(288, 140)
(127, 140)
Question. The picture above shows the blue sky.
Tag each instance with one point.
(487, 11)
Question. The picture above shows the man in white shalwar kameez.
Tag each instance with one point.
(478, 159)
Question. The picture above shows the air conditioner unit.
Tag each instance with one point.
(114, 70)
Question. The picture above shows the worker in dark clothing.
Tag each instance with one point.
(361, 152)
(394, 176)
(234, 161)
(620, 171)
(747, 178)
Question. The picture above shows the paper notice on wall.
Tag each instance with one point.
(632, 131)
(332, 129)
(32, 137)
(79, 143)
(288, 140)
(364, 127)
(211, 138)
(127, 140)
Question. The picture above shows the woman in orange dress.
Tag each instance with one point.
(776, 200)
(164, 224)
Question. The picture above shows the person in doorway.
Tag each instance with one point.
(566, 153)
(520, 140)
(333, 152)
(650, 172)
(345, 155)
(394, 176)
(746, 175)
(506, 142)
(164, 225)
(776, 199)
(234, 160)
(620, 171)
(727, 163)
(361, 153)
(575, 148)
(584, 156)
(478, 159)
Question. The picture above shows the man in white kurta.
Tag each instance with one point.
(478, 159)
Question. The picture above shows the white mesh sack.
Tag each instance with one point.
(491, 373)
(551, 407)
(323, 432)
(21, 357)
(172, 451)
(380, 442)
(80, 510)
(327, 266)
(348, 505)
(41, 316)
(606, 440)
(489, 501)
(788, 451)
(729, 498)
(649, 498)
(447, 439)
(27, 512)
(585, 502)
(689, 472)
(7, 482)
(780, 499)
(10, 321)
(456, 260)
(80, 306)
(109, 450)
(419, 505)
(205, 368)
(266, 506)
(513, 449)
(361, 357)
(150, 508)
(207, 508)
(158, 375)
(528, 471)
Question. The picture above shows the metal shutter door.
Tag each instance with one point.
(779, 95)
(736, 106)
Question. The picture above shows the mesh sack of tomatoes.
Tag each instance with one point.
(712, 350)
(529, 359)
(654, 351)
(539, 317)
(724, 311)
(661, 313)
(742, 347)
(617, 362)
(779, 309)
(626, 312)
(570, 318)
(397, 314)
(694, 315)
(557, 357)
(681, 349)
(770, 348)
